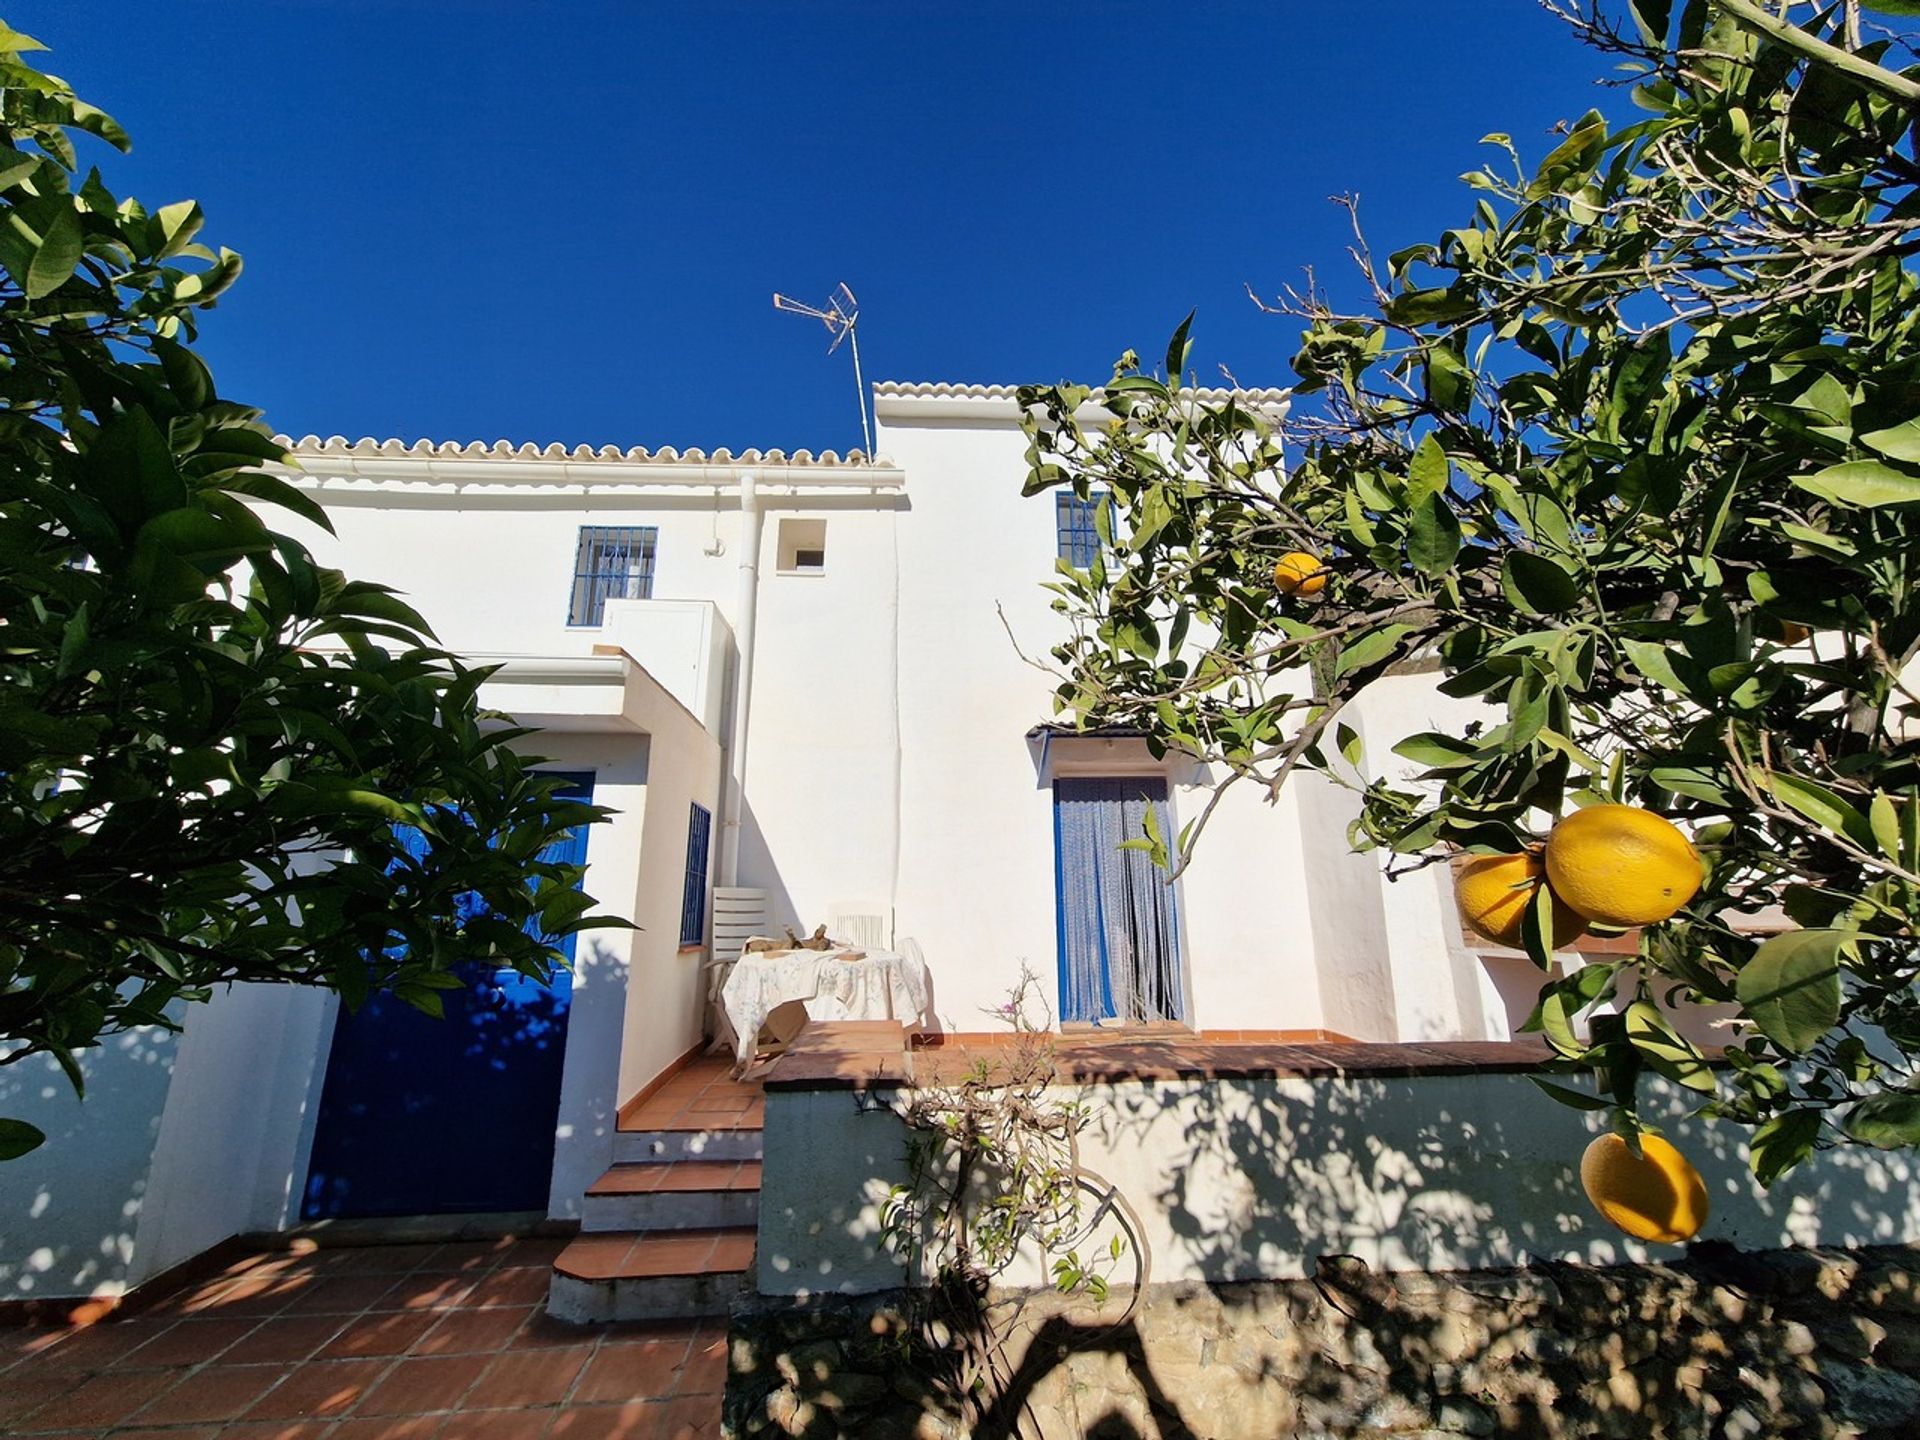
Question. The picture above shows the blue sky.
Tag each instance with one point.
(565, 222)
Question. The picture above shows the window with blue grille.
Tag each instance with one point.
(1079, 541)
(693, 899)
(613, 562)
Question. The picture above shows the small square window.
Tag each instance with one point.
(803, 547)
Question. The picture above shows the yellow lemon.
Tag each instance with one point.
(1655, 1195)
(1494, 891)
(1299, 573)
(1620, 865)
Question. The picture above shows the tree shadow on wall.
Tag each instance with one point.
(1454, 1279)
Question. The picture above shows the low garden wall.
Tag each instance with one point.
(1251, 1162)
(1797, 1342)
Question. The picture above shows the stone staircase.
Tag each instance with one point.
(668, 1232)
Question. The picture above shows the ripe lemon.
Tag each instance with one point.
(1494, 891)
(1655, 1195)
(1299, 573)
(1621, 865)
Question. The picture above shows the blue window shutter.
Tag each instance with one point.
(611, 562)
(693, 898)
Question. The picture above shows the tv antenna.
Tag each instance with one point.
(841, 316)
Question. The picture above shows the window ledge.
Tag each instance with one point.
(815, 571)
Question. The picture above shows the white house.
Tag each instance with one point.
(800, 680)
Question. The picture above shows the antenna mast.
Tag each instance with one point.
(841, 316)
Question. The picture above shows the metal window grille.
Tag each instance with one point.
(693, 898)
(613, 562)
(1079, 541)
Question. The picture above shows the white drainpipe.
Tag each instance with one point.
(735, 799)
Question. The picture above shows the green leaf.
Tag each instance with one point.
(1652, 16)
(59, 251)
(17, 1137)
(1433, 540)
(1370, 649)
(1885, 821)
(1864, 483)
(1435, 751)
(1901, 442)
(1427, 469)
(1782, 1143)
(1430, 307)
(1889, 1121)
(1826, 808)
(1578, 1099)
(1790, 988)
(1179, 348)
(1536, 584)
(1348, 741)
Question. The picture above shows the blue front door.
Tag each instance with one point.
(420, 1116)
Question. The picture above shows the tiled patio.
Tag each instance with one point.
(392, 1342)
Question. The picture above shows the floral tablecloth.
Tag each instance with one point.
(880, 985)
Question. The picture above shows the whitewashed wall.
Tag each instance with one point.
(1246, 1179)
(69, 1211)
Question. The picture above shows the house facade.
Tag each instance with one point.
(803, 682)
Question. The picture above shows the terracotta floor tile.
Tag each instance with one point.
(644, 1371)
(213, 1392)
(251, 1295)
(733, 1252)
(276, 1430)
(596, 1257)
(536, 1250)
(511, 1287)
(341, 1294)
(390, 1427)
(639, 1420)
(378, 1333)
(467, 1257)
(380, 1259)
(462, 1332)
(286, 1338)
(531, 1377)
(419, 1384)
(23, 1393)
(424, 1290)
(317, 1388)
(497, 1425)
(544, 1332)
(631, 1179)
(95, 1348)
(171, 1432)
(101, 1400)
(705, 1372)
(690, 1417)
(677, 1256)
(188, 1342)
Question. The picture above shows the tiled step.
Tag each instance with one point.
(632, 1147)
(689, 1195)
(651, 1274)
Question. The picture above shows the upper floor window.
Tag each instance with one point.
(1079, 541)
(613, 562)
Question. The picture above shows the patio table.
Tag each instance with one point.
(880, 985)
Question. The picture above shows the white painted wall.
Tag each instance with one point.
(70, 1211)
(233, 1141)
(1246, 1179)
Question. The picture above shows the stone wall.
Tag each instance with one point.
(1813, 1343)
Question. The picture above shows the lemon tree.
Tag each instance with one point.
(201, 777)
(1632, 455)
